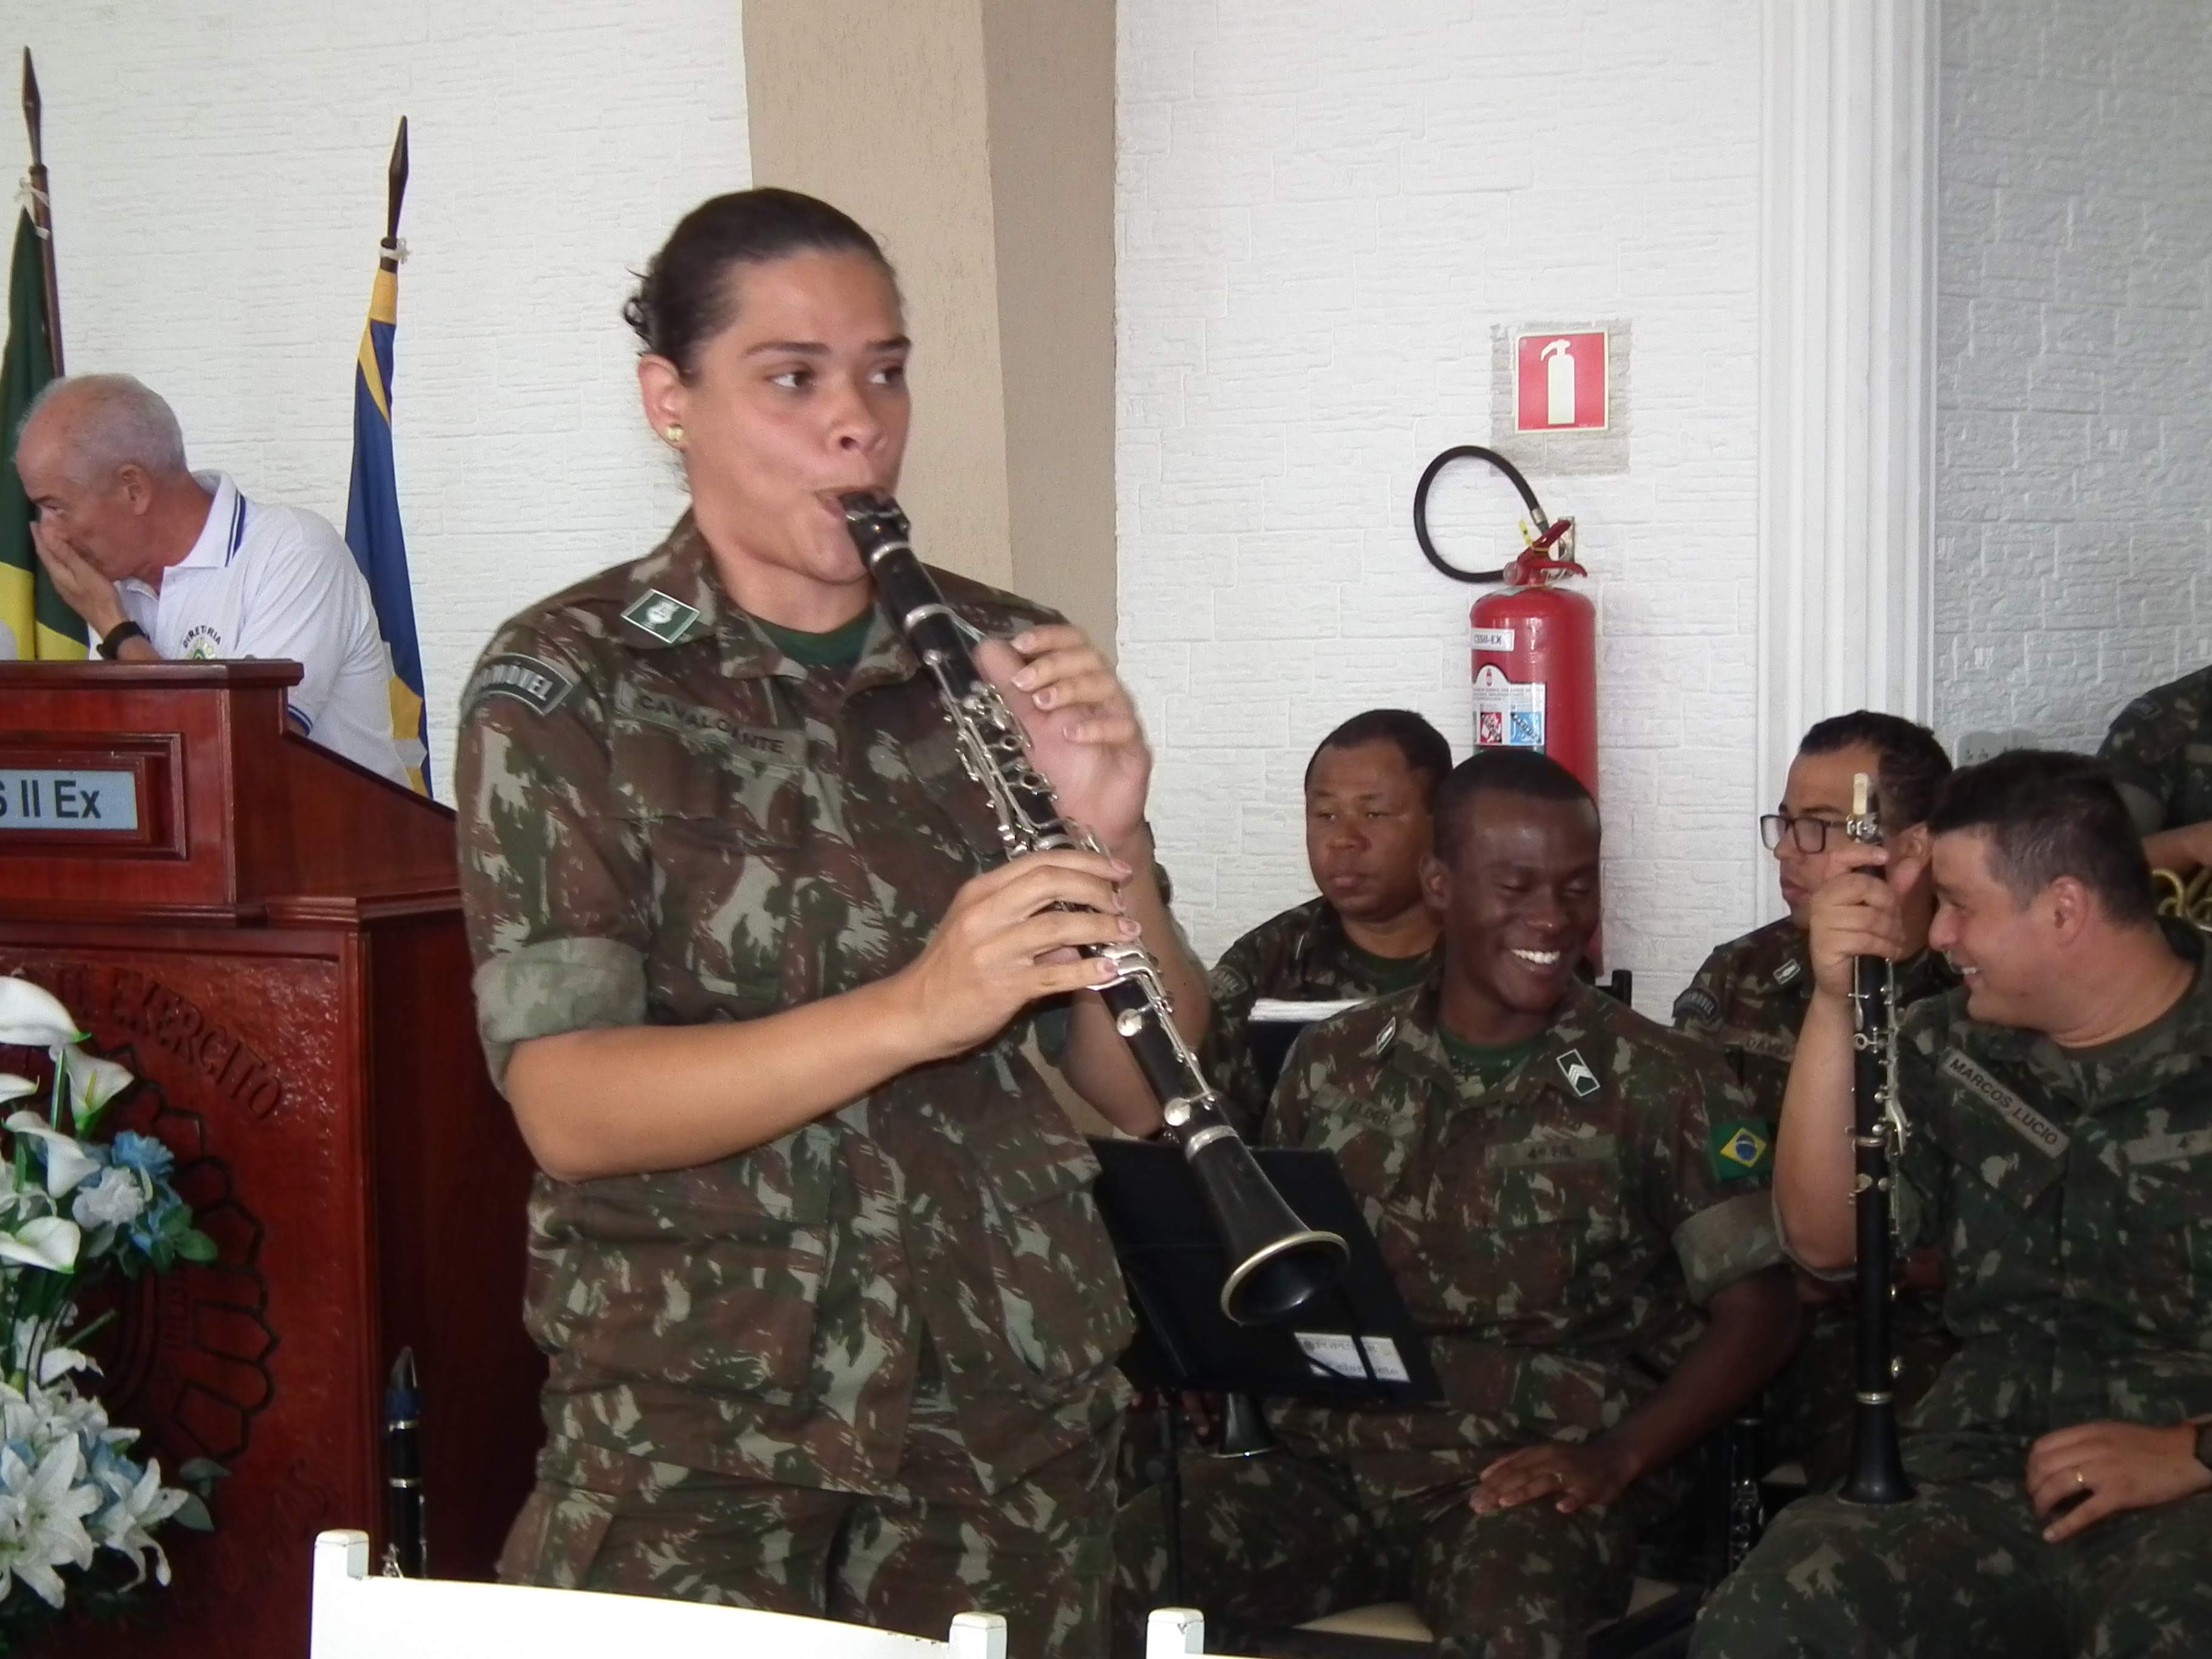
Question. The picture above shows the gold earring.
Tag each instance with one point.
(675, 436)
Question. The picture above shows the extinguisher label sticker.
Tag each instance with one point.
(1507, 715)
(1492, 639)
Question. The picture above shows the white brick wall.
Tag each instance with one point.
(1325, 206)
(219, 190)
(2074, 520)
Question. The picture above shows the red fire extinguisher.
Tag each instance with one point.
(1534, 642)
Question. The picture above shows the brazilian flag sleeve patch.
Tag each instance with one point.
(1741, 1149)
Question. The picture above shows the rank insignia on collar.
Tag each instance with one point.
(1382, 1043)
(1788, 971)
(661, 615)
(1576, 1071)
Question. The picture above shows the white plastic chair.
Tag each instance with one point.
(360, 1615)
(1176, 1633)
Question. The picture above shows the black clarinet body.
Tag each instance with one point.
(406, 1548)
(1277, 1264)
(1877, 1470)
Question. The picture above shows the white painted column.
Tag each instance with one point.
(1846, 429)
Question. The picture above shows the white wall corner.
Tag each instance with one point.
(1847, 283)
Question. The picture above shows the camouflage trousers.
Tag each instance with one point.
(1962, 1572)
(1038, 1551)
(1279, 1540)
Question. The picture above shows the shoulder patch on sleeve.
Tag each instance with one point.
(1740, 1148)
(529, 680)
(1696, 1003)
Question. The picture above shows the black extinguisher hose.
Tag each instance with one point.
(1421, 508)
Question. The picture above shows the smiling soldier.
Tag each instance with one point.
(1573, 1201)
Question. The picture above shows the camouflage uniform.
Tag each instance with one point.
(1749, 999)
(893, 1329)
(2160, 751)
(2074, 1193)
(1303, 954)
(1553, 1235)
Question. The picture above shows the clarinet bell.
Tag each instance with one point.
(1277, 1264)
(1244, 1432)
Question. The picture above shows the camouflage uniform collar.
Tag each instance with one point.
(1321, 932)
(886, 658)
(674, 597)
(1412, 1041)
(1792, 973)
(670, 596)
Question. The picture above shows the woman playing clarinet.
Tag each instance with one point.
(831, 1318)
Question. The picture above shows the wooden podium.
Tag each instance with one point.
(271, 938)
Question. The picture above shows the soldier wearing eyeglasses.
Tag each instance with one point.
(1751, 996)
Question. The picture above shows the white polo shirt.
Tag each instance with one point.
(274, 581)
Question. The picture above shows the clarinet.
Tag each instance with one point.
(406, 1546)
(1877, 1472)
(1277, 1264)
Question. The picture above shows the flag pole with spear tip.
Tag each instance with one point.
(42, 218)
(374, 530)
(395, 192)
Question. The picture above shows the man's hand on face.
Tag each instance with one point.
(83, 589)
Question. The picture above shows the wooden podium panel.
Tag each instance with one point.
(306, 1049)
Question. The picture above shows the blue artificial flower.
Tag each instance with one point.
(143, 1154)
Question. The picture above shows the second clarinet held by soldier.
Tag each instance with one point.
(1877, 1470)
(1277, 1264)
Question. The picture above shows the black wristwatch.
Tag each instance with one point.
(2204, 1442)
(116, 637)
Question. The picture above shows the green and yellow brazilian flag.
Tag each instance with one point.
(33, 621)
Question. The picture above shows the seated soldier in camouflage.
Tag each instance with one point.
(1367, 827)
(2160, 751)
(1573, 1201)
(1750, 998)
(2060, 1106)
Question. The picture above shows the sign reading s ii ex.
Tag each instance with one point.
(1559, 382)
(77, 799)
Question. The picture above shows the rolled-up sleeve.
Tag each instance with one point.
(1711, 1167)
(556, 883)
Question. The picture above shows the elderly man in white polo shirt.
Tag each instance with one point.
(164, 563)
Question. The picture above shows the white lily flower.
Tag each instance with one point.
(49, 1241)
(30, 1018)
(15, 1088)
(93, 1083)
(67, 1161)
(126, 1523)
(55, 1503)
(56, 1363)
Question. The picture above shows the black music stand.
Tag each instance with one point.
(1356, 1344)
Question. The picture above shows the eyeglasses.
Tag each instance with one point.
(1810, 834)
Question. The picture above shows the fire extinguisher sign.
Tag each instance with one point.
(1559, 382)
(1507, 715)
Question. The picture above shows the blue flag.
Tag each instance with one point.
(372, 530)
